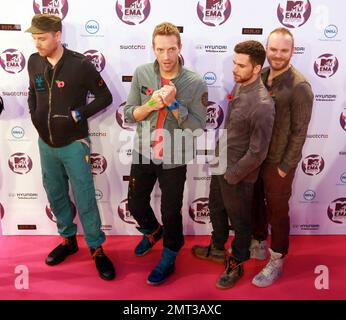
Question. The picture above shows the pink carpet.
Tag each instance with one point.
(194, 279)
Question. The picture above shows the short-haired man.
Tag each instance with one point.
(166, 100)
(59, 83)
(293, 104)
(249, 125)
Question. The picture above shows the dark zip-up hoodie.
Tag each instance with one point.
(54, 92)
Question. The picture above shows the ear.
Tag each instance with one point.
(257, 69)
(58, 35)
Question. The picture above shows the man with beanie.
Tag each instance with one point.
(59, 83)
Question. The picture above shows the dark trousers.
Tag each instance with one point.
(231, 202)
(271, 197)
(171, 181)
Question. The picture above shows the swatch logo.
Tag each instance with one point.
(213, 12)
(50, 214)
(12, 61)
(133, 11)
(312, 165)
(96, 58)
(343, 120)
(326, 65)
(293, 14)
(54, 7)
(98, 163)
(214, 116)
(120, 117)
(20, 163)
(2, 211)
(124, 212)
(337, 211)
(199, 211)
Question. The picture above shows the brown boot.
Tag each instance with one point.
(209, 253)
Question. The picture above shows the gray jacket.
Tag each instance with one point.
(192, 94)
(249, 124)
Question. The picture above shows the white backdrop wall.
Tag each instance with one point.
(117, 36)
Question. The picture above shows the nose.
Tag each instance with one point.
(166, 55)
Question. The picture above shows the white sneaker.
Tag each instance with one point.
(271, 272)
(258, 249)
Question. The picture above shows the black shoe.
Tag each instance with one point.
(103, 264)
(66, 248)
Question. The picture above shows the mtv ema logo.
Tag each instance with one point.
(133, 12)
(120, 117)
(124, 212)
(12, 61)
(96, 58)
(293, 14)
(98, 163)
(343, 120)
(337, 211)
(2, 211)
(199, 211)
(326, 65)
(214, 116)
(50, 214)
(55, 7)
(213, 12)
(313, 164)
(20, 163)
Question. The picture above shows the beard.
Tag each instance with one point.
(242, 79)
(278, 65)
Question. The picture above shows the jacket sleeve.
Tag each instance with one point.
(93, 81)
(301, 110)
(133, 99)
(261, 130)
(32, 93)
(194, 116)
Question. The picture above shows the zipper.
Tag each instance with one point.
(50, 106)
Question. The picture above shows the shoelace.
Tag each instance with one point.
(151, 235)
(269, 268)
(97, 253)
(66, 241)
(231, 264)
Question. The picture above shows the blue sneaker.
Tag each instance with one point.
(148, 241)
(164, 268)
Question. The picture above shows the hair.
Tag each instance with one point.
(284, 32)
(166, 29)
(254, 50)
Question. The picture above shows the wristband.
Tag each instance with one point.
(175, 105)
(77, 115)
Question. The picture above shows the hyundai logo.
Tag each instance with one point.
(331, 31)
(92, 26)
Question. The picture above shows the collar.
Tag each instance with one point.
(279, 78)
(251, 86)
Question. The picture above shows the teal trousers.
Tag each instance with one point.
(71, 163)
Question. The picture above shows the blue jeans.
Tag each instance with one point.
(231, 202)
(71, 163)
